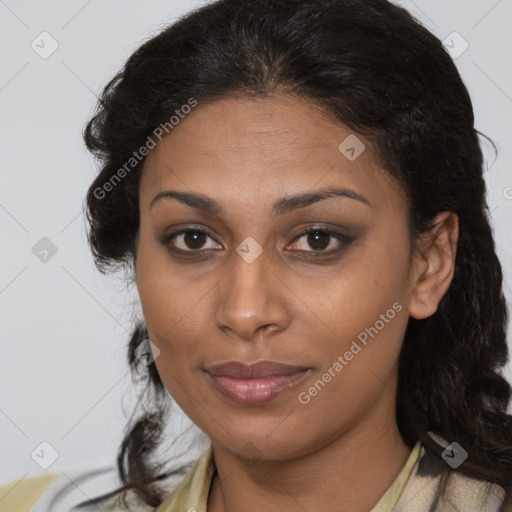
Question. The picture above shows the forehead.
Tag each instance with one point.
(256, 147)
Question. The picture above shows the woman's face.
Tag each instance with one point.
(245, 283)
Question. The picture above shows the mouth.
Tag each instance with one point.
(254, 384)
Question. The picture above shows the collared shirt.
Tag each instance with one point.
(413, 490)
(192, 494)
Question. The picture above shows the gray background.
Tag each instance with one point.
(63, 376)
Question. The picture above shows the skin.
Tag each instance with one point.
(342, 450)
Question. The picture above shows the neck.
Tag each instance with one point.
(349, 474)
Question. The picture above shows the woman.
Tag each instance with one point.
(296, 188)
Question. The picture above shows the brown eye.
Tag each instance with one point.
(318, 242)
(187, 240)
(320, 239)
(194, 239)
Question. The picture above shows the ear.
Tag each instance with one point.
(434, 265)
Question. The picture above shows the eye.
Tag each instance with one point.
(319, 239)
(191, 240)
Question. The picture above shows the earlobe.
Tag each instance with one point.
(434, 265)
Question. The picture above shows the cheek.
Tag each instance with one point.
(364, 344)
(165, 295)
(366, 288)
(359, 366)
(175, 308)
(157, 291)
(366, 313)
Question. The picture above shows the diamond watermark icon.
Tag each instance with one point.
(455, 45)
(251, 453)
(454, 455)
(44, 250)
(249, 249)
(352, 147)
(147, 352)
(44, 45)
(44, 455)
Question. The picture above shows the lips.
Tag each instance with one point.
(254, 384)
(259, 370)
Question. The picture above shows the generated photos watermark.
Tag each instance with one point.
(158, 133)
(305, 397)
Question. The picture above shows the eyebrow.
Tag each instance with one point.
(280, 207)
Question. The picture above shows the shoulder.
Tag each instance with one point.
(23, 493)
(58, 492)
(64, 491)
(462, 493)
(472, 495)
(423, 491)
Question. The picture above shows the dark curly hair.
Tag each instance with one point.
(386, 77)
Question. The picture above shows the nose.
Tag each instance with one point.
(252, 300)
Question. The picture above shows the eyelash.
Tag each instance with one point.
(344, 240)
